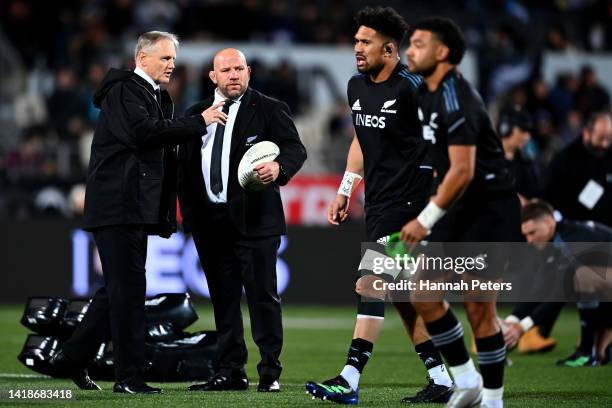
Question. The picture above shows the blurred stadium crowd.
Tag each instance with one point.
(54, 54)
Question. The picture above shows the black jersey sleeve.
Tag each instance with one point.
(351, 88)
(409, 90)
(349, 91)
(460, 118)
(414, 81)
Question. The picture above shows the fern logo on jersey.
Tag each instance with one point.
(387, 105)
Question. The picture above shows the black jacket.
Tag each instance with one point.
(132, 169)
(254, 214)
(549, 275)
(569, 172)
(582, 231)
(526, 176)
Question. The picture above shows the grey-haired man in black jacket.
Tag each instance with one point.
(131, 193)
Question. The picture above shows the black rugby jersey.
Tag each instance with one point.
(455, 114)
(384, 116)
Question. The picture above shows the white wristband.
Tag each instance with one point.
(430, 215)
(348, 182)
(526, 323)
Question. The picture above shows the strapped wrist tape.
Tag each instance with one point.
(348, 182)
(430, 215)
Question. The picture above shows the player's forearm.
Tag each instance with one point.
(459, 175)
(354, 160)
(453, 186)
(354, 170)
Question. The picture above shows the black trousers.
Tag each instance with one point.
(232, 262)
(117, 309)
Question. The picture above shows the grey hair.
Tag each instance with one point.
(148, 40)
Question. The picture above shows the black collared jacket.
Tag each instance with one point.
(254, 214)
(132, 172)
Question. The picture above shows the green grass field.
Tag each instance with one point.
(316, 341)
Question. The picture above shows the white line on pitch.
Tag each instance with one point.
(14, 375)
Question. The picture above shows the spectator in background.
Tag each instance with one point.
(160, 15)
(91, 44)
(516, 96)
(538, 100)
(607, 25)
(66, 104)
(30, 109)
(118, 16)
(580, 176)
(308, 16)
(571, 128)
(207, 86)
(28, 159)
(95, 75)
(557, 38)
(507, 59)
(591, 96)
(545, 134)
(562, 96)
(341, 132)
(514, 127)
(285, 85)
(178, 88)
(542, 108)
(280, 25)
(261, 76)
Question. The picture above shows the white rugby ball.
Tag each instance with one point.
(262, 152)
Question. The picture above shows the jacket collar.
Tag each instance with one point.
(166, 99)
(138, 71)
(143, 83)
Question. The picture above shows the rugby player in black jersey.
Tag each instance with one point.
(389, 154)
(474, 202)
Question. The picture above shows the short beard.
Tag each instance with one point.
(598, 153)
(425, 72)
(228, 96)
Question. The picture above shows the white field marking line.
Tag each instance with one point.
(15, 375)
(317, 323)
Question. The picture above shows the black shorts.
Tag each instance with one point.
(493, 220)
(488, 221)
(381, 225)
